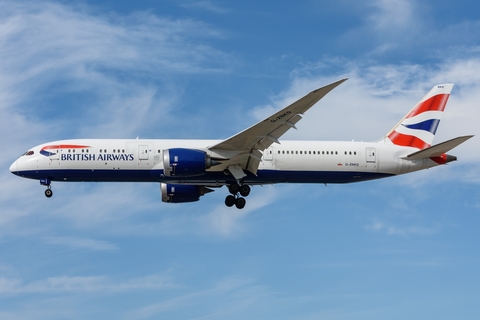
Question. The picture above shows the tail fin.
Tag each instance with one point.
(417, 129)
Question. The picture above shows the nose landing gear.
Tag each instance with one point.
(48, 192)
(235, 198)
(46, 182)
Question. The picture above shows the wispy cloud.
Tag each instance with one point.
(228, 221)
(376, 96)
(232, 296)
(82, 284)
(123, 209)
(392, 15)
(405, 231)
(189, 299)
(52, 52)
(205, 5)
(81, 243)
(408, 29)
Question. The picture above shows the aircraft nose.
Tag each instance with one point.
(13, 168)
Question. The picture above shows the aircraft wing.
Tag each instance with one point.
(243, 151)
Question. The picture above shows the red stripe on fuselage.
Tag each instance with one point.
(65, 146)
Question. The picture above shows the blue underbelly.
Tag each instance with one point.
(262, 177)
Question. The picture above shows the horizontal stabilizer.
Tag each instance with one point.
(438, 149)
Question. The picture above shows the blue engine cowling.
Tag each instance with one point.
(179, 162)
(178, 193)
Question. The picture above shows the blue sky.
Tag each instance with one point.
(404, 247)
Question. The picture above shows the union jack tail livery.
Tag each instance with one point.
(417, 129)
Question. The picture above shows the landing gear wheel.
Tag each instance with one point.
(233, 188)
(245, 190)
(240, 203)
(230, 201)
(48, 193)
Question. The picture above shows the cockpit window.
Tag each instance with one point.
(29, 153)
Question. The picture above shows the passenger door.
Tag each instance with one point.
(371, 159)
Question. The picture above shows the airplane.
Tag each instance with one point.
(189, 169)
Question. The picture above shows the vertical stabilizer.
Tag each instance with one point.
(417, 129)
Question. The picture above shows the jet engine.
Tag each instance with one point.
(178, 193)
(179, 162)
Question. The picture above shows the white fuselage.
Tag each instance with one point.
(288, 162)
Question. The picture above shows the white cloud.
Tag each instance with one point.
(406, 29)
(205, 5)
(405, 231)
(375, 97)
(81, 243)
(122, 209)
(393, 15)
(388, 26)
(52, 51)
(231, 295)
(228, 221)
(81, 284)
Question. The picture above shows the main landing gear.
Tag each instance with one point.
(47, 183)
(236, 192)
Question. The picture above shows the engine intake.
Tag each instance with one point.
(179, 162)
(180, 193)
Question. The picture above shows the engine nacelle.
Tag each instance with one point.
(179, 162)
(178, 193)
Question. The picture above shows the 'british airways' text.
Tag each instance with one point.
(97, 157)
